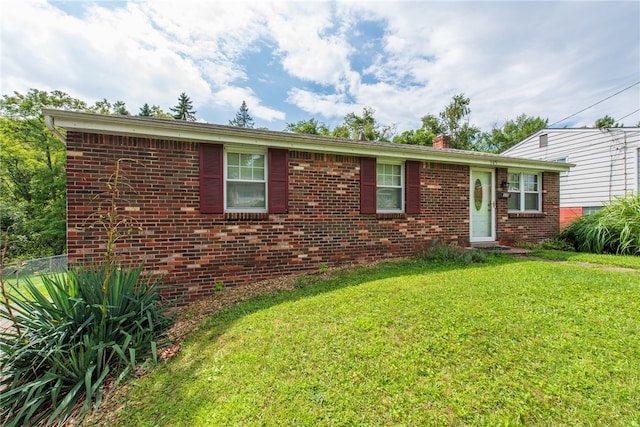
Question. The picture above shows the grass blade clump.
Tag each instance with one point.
(615, 229)
(66, 348)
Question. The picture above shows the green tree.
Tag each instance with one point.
(153, 111)
(454, 120)
(607, 122)
(184, 109)
(102, 107)
(414, 137)
(243, 119)
(365, 126)
(120, 108)
(145, 111)
(311, 127)
(32, 162)
(511, 133)
(341, 131)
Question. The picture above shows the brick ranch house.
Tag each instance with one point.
(227, 205)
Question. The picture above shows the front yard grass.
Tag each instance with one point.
(511, 342)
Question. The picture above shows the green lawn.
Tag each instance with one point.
(35, 279)
(511, 342)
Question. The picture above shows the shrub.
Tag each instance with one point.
(614, 229)
(62, 349)
(442, 252)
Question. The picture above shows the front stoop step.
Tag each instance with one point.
(482, 245)
(497, 247)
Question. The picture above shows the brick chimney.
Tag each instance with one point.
(441, 141)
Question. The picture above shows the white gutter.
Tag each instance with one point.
(48, 121)
(208, 133)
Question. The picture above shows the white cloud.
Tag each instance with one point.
(550, 59)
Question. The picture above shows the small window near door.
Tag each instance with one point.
(525, 191)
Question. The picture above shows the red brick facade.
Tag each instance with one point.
(323, 225)
(514, 228)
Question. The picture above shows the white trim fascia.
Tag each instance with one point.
(209, 133)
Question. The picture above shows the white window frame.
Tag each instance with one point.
(264, 181)
(521, 193)
(380, 162)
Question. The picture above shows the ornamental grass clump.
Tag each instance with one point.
(66, 349)
(614, 229)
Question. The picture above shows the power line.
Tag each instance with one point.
(593, 105)
(624, 117)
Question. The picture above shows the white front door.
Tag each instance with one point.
(482, 201)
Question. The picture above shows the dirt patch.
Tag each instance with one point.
(585, 265)
(601, 267)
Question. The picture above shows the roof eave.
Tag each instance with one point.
(208, 133)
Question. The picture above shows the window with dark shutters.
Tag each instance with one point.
(368, 185)
(278, 171)
(211, 178)
(412, 189)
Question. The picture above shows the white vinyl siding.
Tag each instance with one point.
(607, 162)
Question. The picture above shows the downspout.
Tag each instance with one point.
(48, 121)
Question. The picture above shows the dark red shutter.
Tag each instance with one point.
(278, 180)
(412, 187)
(211, 178)
(368, 175)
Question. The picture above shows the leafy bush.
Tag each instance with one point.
(442, 252)
(62, 348)
(614, 229)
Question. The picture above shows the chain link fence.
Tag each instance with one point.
(16, 272)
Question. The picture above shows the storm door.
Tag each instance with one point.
(482, 204)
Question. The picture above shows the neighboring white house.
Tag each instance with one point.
(607, 165)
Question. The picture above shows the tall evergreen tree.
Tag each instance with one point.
(184, 109)
(145, 110)
(243, 119)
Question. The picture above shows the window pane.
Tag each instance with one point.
(514, 202)
(245, 167)
(397, 180)
(514, 182)
(233, 159)
(530, 182)
(258, 161)
(246, 173)
(258, 174)
(389, 198)
(389, 175)
(245, 195)
(531, 202)
(233, 172)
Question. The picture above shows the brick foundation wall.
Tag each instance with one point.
(194, 252)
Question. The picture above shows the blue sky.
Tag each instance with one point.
(293, 61)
